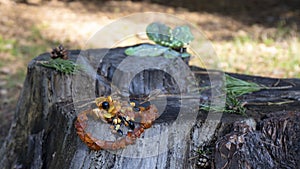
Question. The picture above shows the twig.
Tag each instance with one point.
(277, 87)
(207, 72)
(270, 103)
(278, 81)
(191, 158)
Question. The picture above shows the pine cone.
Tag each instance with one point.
(59, 52)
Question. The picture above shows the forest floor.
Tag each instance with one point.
(264, 43)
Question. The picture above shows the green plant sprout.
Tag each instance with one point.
(201, 151)
(232, 106)
(169, 43)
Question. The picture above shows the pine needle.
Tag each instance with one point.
(63, 66)
(238, 87)
(235, 88)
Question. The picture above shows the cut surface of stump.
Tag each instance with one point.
(43, 134)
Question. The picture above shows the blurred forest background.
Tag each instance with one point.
(258, 37)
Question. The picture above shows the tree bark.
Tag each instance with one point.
(43, 134)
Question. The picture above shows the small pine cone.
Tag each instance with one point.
(203, 161)
(59, 52)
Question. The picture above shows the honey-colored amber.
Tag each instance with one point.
(116, 109)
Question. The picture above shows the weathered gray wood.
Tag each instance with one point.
(43, 135)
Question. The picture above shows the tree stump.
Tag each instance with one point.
(43, 134)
